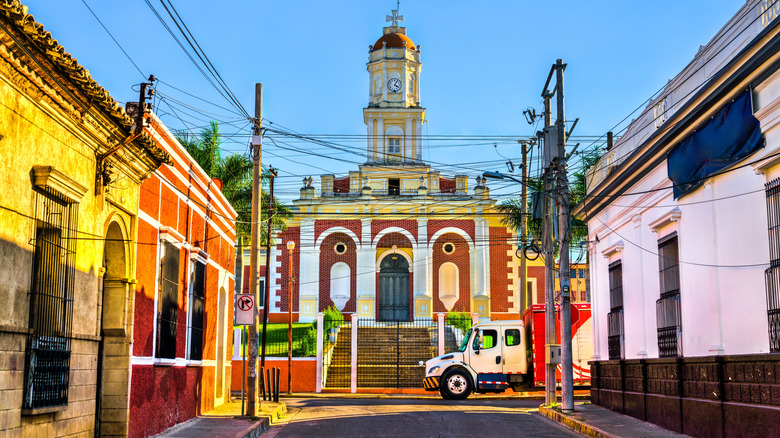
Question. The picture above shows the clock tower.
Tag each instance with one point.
(394, 116)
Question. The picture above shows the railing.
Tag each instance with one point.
(669, 323)
(389, 352)
(616, 336)
(336, 353)
(772, 274)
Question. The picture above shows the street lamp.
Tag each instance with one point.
(290, 248)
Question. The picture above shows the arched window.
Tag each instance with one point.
(449, 284)
(394, 136)
(410, 84)
(340, 284)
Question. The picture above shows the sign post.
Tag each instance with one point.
(243, 314)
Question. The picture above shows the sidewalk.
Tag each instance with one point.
(226, 421)
(595, 421)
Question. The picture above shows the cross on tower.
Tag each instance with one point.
(395, 18)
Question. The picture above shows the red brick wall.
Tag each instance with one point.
(538, 273)
(397, 239)
(353, 225)
(464, 224)
(328, 258)
(409, 225)
(460, 257)
(500, 270)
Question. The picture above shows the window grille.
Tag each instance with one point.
(196, 312)
(167, 302)
(772, 274)
(615, 327)
(667, 308)
(51, 303)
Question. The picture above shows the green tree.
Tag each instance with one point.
(235, 172)
(512, 208)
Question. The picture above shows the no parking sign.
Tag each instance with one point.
(244, 310)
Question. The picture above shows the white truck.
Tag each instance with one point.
(491, 358)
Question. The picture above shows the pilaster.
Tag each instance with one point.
(423, 296)
(309, 285)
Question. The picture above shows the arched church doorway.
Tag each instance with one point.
(394, 289)
(112, 400)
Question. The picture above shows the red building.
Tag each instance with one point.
(182, 337)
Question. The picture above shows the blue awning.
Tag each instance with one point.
(730, 136)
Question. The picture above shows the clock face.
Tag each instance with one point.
(394, 85)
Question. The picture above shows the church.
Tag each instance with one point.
(395, 239)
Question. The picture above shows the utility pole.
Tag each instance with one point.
(550, 395)
(267, 292)
(524, 229)
(564, 233)
(290, 248)
(257, 146)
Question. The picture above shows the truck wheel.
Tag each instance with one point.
(456, 384)
(443, 394)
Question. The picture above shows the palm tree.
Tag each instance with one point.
(235, 172)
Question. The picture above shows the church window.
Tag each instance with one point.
(340, 284)
(340, 248)
(394, 186)
(449, 284)
(410, 84)
(393, 145)
(448, 248)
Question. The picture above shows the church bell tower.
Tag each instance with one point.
(394, 116)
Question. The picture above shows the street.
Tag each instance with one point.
(335, 417)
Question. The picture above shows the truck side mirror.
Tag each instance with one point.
(477, 341)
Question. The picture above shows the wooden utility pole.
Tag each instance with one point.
(564, 234)
(254, 278)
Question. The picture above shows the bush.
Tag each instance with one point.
(332, 318)
(461, 320)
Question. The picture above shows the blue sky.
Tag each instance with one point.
(483, 64)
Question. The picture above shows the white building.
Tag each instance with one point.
(682, 264)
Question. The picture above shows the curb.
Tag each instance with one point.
(574, 423)
(275, 412)
(419, 397)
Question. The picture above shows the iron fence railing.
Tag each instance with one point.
(389, 352)
(336, 353)
(669, 323)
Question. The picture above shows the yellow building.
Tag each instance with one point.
(70, 172)
(395, 239)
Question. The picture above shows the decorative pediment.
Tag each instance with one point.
(50, 179)
(617, 247)
(672, 216)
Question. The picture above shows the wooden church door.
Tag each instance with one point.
(394, 289)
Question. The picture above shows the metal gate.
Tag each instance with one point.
(394, 289)
(389, 352)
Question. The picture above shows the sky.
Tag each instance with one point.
(483, 64)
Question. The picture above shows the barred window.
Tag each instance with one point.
(197, 299)
(615, 327)
(167, 302)
(667, 308)
(772, 273)
(51, 303)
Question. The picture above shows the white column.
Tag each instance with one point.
(595, 298)
(366, 278)
(408, 149)
(481, 258)
(379, 152)
(384, 79)
(353, 368)
(309, 285)
(370, 141)
(440, 317)
(418, 137)
(320, 334)
(422, 261)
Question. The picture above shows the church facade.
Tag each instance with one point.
(395, 239)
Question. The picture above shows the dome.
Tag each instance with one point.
(394, 39)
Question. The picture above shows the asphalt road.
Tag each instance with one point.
(396, 417)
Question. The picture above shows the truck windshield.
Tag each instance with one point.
(465, 342)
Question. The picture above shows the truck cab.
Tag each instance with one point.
(492, 358)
